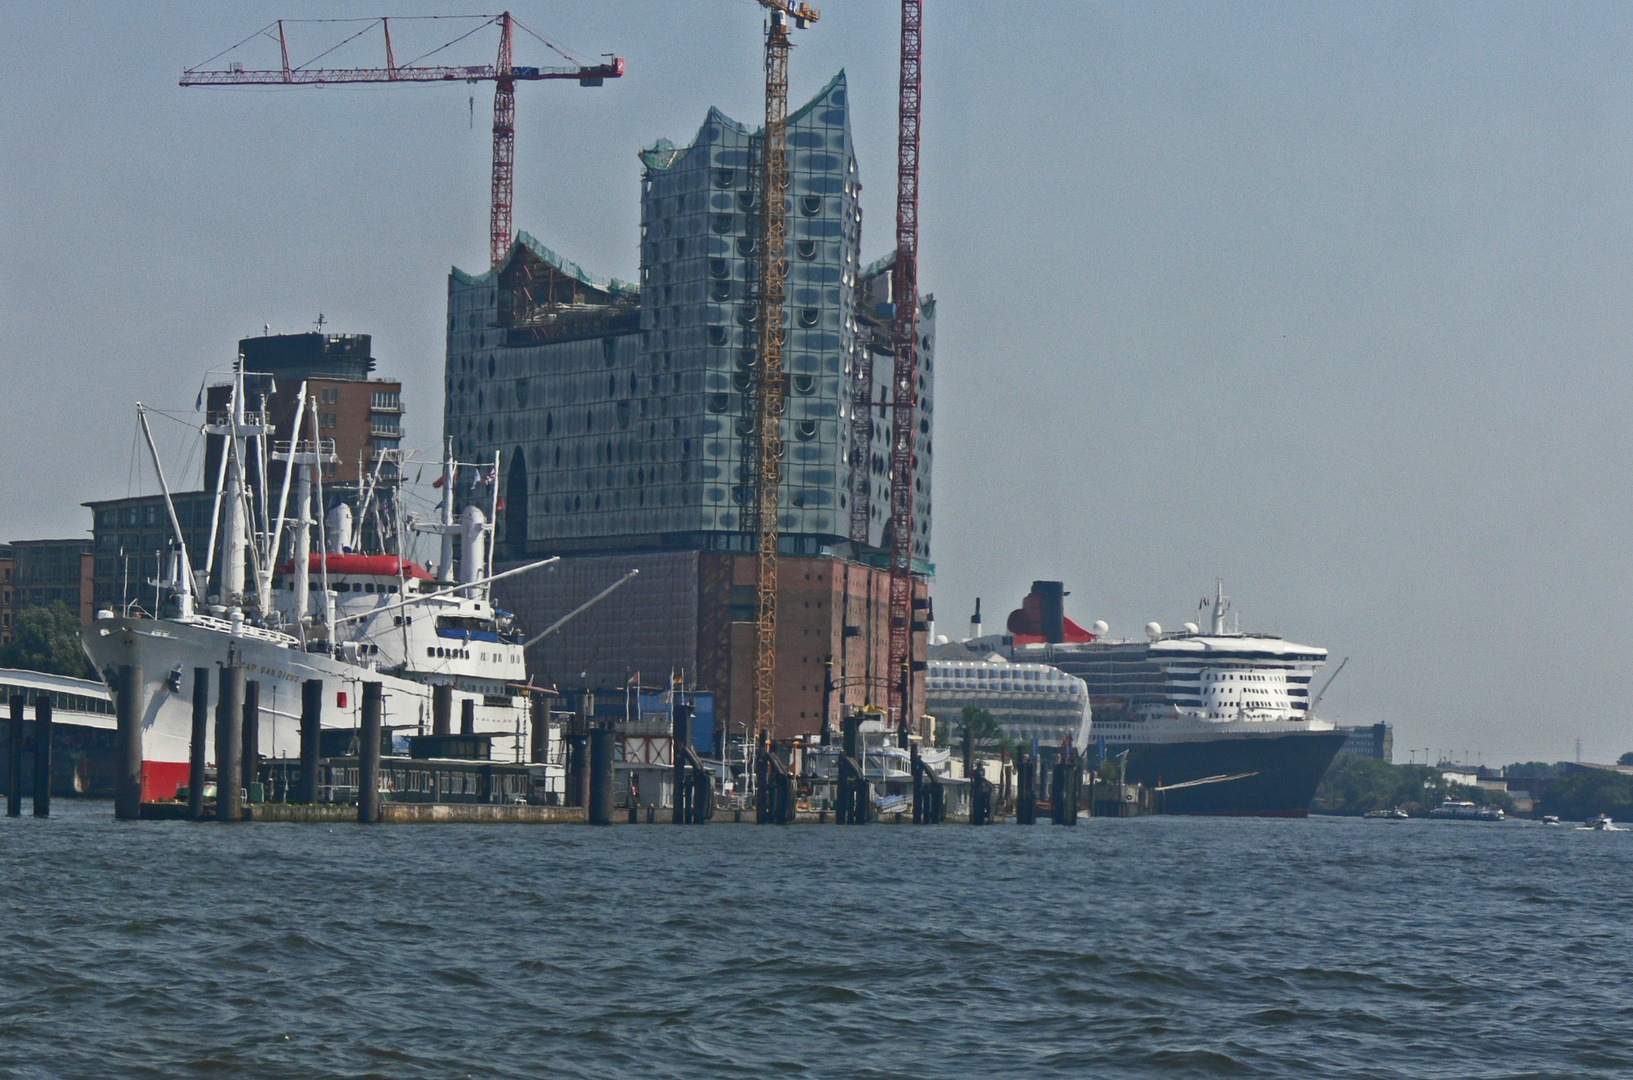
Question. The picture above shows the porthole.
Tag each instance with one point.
(804, 384)
(806, 249)
(810, 205)
(805, 430)
(810, 316)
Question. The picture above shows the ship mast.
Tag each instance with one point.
(1220, 602)
(304, 459)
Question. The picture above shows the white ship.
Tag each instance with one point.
(326, 614)
(1223, 721)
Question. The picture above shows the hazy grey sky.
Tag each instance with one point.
(1330, 301)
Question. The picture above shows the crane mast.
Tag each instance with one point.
(504, 147)
(904, 381)
(771, 387)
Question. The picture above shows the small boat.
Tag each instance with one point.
(1466, 811)
(1550, 819)
(1602, 823)
(1396, 814)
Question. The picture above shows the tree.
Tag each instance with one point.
(1355, 784)
(1532, 768)
(1625, 759)
(1586, 793)
(47, 639)
(980, 724)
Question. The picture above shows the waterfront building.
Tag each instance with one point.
(1370, 740)
(46, 572)
(8, 610)
(362, 416)
(622, 416)
(132, 539)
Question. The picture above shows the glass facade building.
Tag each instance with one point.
(623, 413)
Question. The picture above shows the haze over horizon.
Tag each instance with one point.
(1328, 301)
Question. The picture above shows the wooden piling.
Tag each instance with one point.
(1026, 790)
(198, 748)
(680, 794)
(229, 744)
(600, 775)
(127, 798)
(250, 763)
(311, 742)
(442, 709)
(368, 761)
(14, 757)
(539, 718)
(42, 755)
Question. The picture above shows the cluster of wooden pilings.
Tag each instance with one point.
(18, 743)
(236, 732)
(237, 741)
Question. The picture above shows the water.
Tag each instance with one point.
(1144, 948)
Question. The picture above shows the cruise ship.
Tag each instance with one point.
(1218, 722)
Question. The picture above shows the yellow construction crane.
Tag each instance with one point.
(769, 398)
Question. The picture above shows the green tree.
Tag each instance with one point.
(1586, 793)
(1531, 768)
(1355, 785)
(1625, 759)
(981, 726)
(47, 639)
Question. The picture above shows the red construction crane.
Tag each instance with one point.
(502, 73)
(904, 383)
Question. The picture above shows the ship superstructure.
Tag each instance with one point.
(289, 614)
(1030, 702)
(1219, 719)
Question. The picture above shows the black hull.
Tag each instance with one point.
(1276, 775)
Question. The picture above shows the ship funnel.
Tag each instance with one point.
(1051, 610)
(473, 554)
(337, 527)
(975, 620)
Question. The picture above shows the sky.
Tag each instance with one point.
(1330, 302)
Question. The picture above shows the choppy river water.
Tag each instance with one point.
(1158, 947)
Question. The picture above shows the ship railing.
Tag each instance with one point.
(210, 622)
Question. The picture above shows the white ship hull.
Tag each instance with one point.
(169, 651)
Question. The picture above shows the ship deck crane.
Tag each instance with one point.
(771, 385)
(502, 73)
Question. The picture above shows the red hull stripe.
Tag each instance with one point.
(160, 779)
